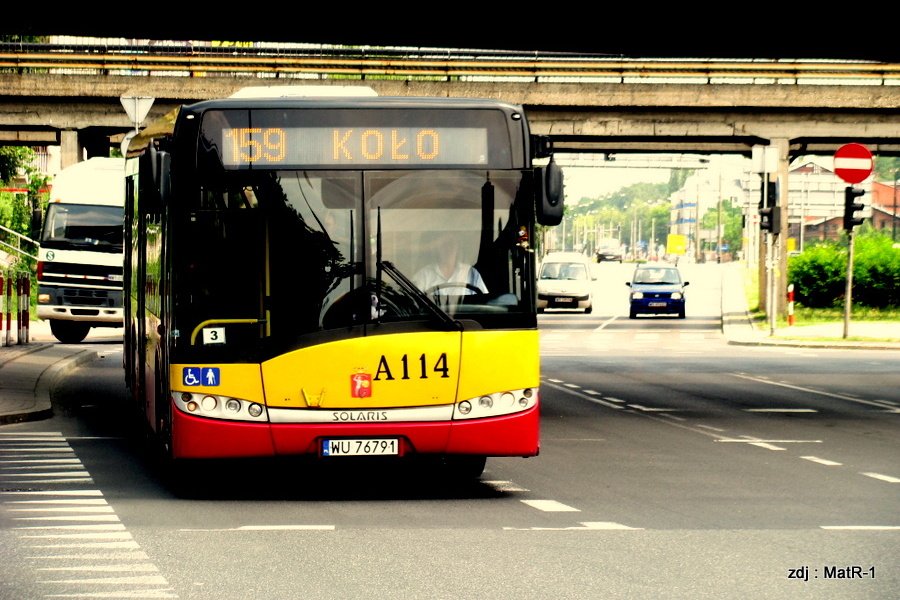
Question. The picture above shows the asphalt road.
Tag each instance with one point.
(673, 465)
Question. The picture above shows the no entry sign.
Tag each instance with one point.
(853, 163)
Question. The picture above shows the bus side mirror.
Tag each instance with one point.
(163, 176)
(154, 192)
(550, 200)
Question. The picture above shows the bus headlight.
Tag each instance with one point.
(220, 407)
(497, 404)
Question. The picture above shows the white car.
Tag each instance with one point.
(565, 281)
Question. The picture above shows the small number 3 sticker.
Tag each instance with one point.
(213, 335)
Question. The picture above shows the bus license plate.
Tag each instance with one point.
(361, 447)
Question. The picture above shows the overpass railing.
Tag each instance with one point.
(277, 61)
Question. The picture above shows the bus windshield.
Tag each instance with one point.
(286, 257)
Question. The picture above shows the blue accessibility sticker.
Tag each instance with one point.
(208, 376)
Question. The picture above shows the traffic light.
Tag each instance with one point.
(768, 194)
(851, 207)
(770, 219)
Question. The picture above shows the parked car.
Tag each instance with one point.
(565, 281)
(656, 289)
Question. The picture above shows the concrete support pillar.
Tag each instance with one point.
(781, 278)
(778, 260)
(69, 148)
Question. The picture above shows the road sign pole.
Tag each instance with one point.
(853, 163)
(848, 294)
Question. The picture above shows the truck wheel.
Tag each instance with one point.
(69, 332)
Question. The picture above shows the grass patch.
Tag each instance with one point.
(804, 316)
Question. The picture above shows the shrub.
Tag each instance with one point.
(819, 274)
(876, 272)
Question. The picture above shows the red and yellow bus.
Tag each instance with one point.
(289, 287)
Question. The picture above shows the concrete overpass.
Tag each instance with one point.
(585, 104)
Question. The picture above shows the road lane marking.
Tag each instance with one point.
(550, 506)
(139, 580)
(585, 526)
(881, 477)
(605, 323)
(136, 568)
(262, 528)
(767, 444)
(861, 527)
(876, 403)
(822, 461)
(781, 410)
(711, 428)
(78, 526)
(581, 394)
(650, 409)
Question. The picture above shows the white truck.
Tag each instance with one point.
(80, 257)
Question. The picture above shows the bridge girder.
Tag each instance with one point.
(579, 117)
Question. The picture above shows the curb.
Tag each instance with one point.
(45, 383)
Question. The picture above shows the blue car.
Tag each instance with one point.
(655, 290)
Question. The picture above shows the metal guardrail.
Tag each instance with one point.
(18, 241)
(428, 64)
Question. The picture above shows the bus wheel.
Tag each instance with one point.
(69, 332)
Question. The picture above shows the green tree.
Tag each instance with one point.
(887, 168)
(12, 160)
(16, 208)
(731, 221)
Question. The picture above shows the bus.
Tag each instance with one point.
(275, 301)
(79, 269)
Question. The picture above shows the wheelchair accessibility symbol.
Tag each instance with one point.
(208, 376)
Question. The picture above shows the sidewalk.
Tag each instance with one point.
(29, 371)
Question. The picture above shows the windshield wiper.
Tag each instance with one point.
(410, 288)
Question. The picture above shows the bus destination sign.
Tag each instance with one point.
(362, 147)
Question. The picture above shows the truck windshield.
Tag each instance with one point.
(78, 226)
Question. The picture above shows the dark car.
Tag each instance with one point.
(610, 250)
(656, 289)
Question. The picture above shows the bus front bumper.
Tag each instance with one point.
(509, 435)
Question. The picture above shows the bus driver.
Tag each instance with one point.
(449, 275)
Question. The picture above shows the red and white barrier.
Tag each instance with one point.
(790, 298)
(23, 307)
